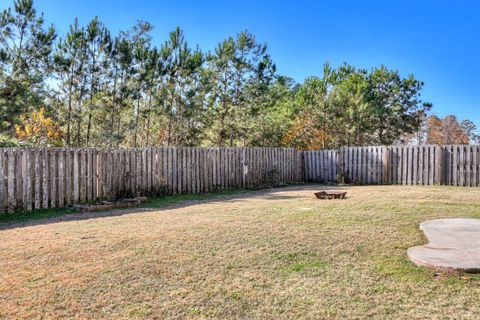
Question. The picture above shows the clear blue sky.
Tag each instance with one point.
(438, 41)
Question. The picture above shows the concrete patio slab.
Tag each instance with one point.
(454, 245)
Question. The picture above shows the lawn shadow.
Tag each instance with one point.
(165, 203)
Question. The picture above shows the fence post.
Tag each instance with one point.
(386, 165)
(438, 165)
(301, 176)
(11, 180)
(244, 168)
(340, 175)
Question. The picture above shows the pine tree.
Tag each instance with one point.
(99, 45)
(70, 58)
(25, 61)
(237, 67)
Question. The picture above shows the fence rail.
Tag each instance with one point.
(453, 165)
(48, 178)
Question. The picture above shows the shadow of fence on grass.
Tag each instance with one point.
(274, 194)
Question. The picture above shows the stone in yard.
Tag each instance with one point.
(454, 245)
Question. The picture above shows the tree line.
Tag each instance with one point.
(447, 130)
(90, 87)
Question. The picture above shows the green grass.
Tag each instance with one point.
(39, 214)
(307, 265)
(152, 202)
(275, 254)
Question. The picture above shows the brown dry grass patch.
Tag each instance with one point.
(276, 254)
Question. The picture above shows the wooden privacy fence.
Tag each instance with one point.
(57, 177)
(453, 165)
(32, 178)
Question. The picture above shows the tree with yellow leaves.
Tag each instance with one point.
(39, 130)
(306, 134)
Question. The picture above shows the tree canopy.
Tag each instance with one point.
(96, 88)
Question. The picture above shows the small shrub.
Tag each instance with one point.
(7, 142)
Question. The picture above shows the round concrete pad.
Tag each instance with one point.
(454, 244)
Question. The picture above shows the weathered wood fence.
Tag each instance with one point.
(32, 178)
(455, 165)
(57, 177)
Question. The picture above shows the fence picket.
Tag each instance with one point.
(26, 175)
(11, 180)
(38, 178)
(53, 179)
(474, 166)
(45, 170)
(61, 178)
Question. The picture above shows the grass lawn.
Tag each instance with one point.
(275, 254)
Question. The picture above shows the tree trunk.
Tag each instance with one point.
(136, 122)
(90, 107)
(149, 118)
(231, 138)
(80, 99)
(89, 127)
(69, 115)
(114, 101)
(79, 125)
(169, 134)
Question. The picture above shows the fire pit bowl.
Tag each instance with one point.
(330, 194)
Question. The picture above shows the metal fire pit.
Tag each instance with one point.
(330, 194)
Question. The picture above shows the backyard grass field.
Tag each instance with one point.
(274, 254)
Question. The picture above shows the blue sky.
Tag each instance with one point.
(437, 41)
